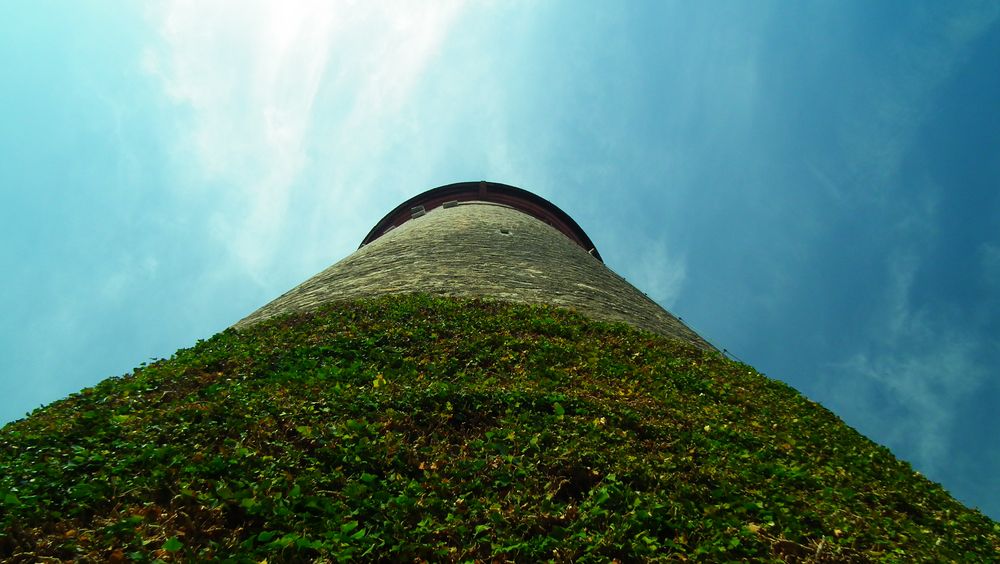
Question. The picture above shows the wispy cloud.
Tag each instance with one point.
(249, 79)
(658, 271)
(914, 384)
(879, 128)
(911, 367)
(928, 388)
(263, 81)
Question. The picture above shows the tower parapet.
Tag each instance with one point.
(480, 239)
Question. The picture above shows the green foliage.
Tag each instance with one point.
(422, 428)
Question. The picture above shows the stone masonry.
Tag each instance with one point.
(487, 250)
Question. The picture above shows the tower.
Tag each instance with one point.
(406, 427)
(488, 240)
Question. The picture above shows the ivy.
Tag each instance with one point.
(419, 428)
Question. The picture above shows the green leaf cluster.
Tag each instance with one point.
(420, 428)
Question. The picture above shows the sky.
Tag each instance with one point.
(812, 186)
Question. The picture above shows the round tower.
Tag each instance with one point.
(487, 240)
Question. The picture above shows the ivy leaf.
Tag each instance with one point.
(265, 536)
(602, 496)
(173, 544)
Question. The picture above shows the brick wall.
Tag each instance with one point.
(482, 250)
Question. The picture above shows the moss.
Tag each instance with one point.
(423, 428)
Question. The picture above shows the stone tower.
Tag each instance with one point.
(482, 239)
(416, 429)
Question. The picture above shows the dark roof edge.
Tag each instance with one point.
(483, 191)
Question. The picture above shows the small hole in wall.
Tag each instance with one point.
(505, 231)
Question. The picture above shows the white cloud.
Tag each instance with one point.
(923, 367)
(900, 91)
(658, 272)
(929, 386)
(276, 90)
(928, 381)
(129, 272)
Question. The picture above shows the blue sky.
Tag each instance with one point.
(814, 186)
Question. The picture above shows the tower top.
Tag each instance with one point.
(489, 192)
(482, 240)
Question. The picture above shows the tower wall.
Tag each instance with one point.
(482, 249)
